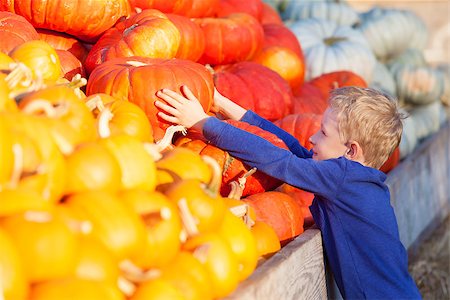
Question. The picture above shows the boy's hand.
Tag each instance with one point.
(183, 109)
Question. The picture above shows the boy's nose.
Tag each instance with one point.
(312, 139)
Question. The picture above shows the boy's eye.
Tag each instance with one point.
(323, 132)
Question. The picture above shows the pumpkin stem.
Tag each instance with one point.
(136, 63)
(21, 81)
(201, 252)
(125, 286)
(236, 190)
(243, 211)
(103, 119)
(95, 103)
(153, 150)
(330, 41)
(189, 224)
(42, 105)
(216, 179)
(166, 141)
(63, 145)
(210, 69)
(243, 179)
(76, 83)
(37, 216)
(18, 165)
(135, 274)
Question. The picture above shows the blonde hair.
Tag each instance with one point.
(370, 118)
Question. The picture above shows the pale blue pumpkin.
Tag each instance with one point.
(418, 85)
(411, 56)
(383, 80)
(329, 47)
(391, 31)
(338, 12)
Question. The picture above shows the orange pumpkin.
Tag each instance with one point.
(301, 126)
(148, 33)
(62, 41)
(163, 227)
(49, 252)
(128, 79)
(192, 43)
(270, 15)
(303, 198)
(40, 57)
(255, 87)
(71, 17)
(253, 8)
(280, 211)
(309, 99)
(332, 80)
(188, 8)
(14, 30)
(392, 161)
(14, 283)
(224, 35)
(285, 62)
(70, 64)
(280, 35)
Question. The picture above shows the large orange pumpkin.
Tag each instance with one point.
(280, 35)
(236, 37)
(233, 168)
(309, 99)
(255, 87)
(137, 79)
(280, 211)
(70, 16)
(192, 42)
(252, 7)
(14, 30)
(188, 8)
(301, 126)
(148, 33)
(330, 81)
(62, 41)
(392, 161)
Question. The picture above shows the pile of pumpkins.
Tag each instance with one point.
(101, 199)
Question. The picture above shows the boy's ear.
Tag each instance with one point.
(354, 151)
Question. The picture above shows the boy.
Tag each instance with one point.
(359, 130)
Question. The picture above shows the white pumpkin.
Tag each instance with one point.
(418, 85)
(428, 119)
(411, 56)
(340, 13)
(383, 80)
(329, 47)
(409, 139)
(445, 70)
(391, 31)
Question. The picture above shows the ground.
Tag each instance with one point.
(430, 266)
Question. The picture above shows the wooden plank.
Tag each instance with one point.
(295, 272)
(420, 186)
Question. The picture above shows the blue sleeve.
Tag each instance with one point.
(318, 177)
(290, 141)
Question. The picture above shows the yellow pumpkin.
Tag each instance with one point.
(157, 289)
(19, 201)
(267, 241)
(6, 102)
(120, 116)
(182, 163)
(95, 262)
(14, 284)
(6, 152)
(189, 276)
(242, 243)
(163, 227)
(49, 178)
(91, 166)
(114, 222)
(40, 57)
(75, 289)
(46, 246)
(70, 121)
(137, 166)
(216, 255)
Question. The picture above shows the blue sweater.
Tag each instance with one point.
(351, 207)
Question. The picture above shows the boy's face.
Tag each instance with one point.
(327, 141)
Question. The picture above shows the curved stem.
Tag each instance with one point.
(216, 179)
(103, 119)
(42, 105)
(166, 141)
(95, 103)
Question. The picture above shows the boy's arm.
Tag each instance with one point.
(234, 111)
(318, 177)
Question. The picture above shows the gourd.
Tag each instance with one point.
(330, 47)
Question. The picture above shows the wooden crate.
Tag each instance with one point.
(420, 191)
